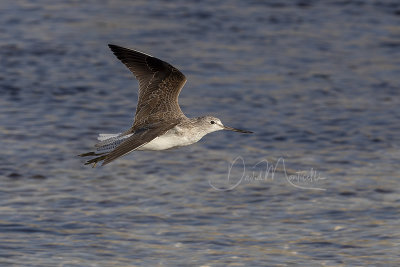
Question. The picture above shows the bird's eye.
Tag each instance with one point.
(212, 122)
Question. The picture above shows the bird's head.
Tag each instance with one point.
(213, 124)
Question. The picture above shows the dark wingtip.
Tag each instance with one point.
(114, 47)
(117, 48)
(87, 154)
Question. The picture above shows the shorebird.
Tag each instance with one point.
(159, 122)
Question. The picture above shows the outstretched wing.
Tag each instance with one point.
(138, 139)
(159, 86)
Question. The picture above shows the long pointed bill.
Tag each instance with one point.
(236, 130)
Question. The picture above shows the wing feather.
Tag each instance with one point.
(159, 86)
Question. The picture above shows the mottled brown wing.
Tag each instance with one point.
(159, 86)
(138, 139)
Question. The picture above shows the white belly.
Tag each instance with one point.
(170, 139)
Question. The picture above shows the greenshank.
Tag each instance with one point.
(159, 122)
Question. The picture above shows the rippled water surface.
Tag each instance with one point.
(317, 81)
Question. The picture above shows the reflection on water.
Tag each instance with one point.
(316, 81)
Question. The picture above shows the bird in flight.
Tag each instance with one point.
(159, 122)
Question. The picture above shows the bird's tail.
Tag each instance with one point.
(108, 142)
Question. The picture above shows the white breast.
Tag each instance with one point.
(173, 138)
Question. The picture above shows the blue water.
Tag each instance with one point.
(317, 81)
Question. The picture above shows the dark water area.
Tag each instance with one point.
(317, 184)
